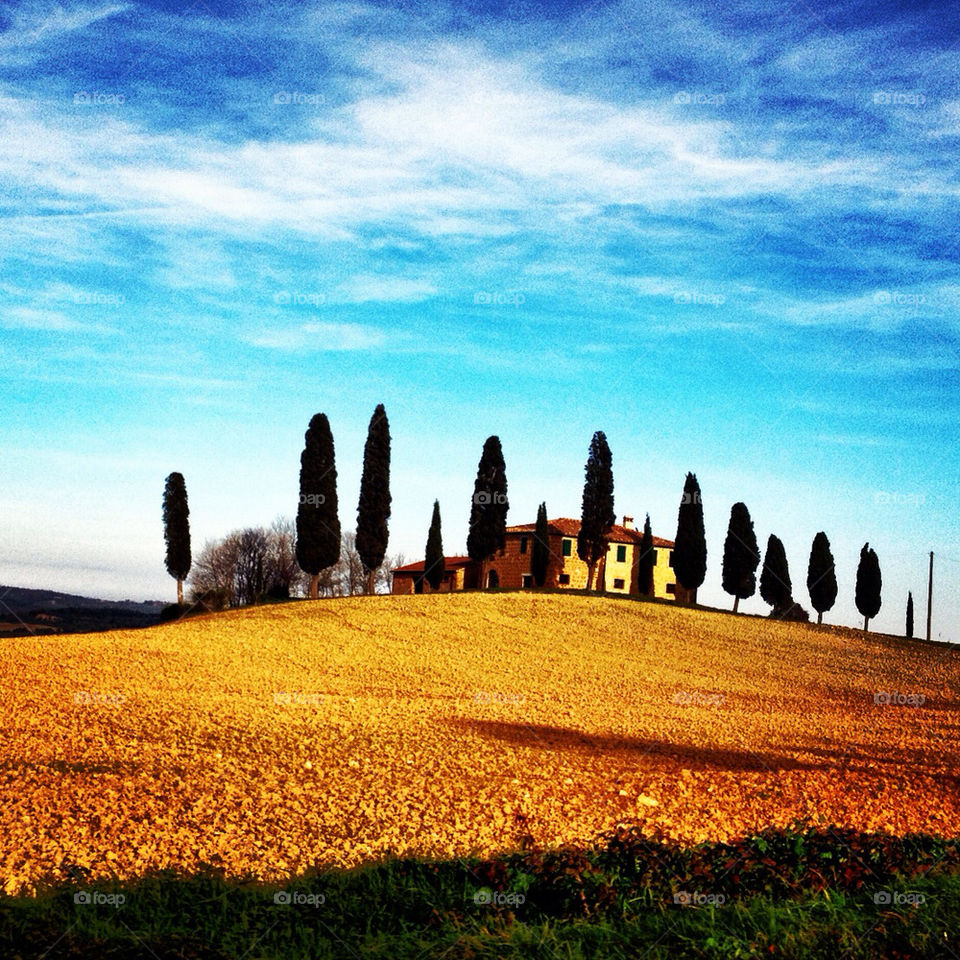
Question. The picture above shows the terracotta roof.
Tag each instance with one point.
(568, 527)
(449, 563)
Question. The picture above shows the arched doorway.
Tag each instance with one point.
(493, 580)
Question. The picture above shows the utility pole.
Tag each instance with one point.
(930, 596)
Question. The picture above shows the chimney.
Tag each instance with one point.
(627, 522)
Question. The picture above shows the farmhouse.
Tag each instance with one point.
(510, 568)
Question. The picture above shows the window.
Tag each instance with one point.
(563, 579)
(618, 583)
(567, 549)
(527, 580)
(621, 554)
(671, 558)
(523, 544)
(671, 588)
(653, 553)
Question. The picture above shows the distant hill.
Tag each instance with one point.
(24, 611)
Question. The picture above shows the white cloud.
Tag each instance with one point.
(366, 288)
(320, 337)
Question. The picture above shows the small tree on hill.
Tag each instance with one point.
(318, 523)
(775, 585)
(690, 546)
(740, 556)
(910, 613)
(540, 554)
(645, 561)
(373, 511)
(869, 584)
(597, 516)
(176, 530)
(488, 509)
(821, 576)
(433, 556)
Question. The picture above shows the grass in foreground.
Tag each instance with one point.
(783, 893)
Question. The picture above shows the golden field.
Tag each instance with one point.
(269, 740)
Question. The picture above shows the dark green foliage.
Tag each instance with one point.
(373, 510)
(433, 558)
(540, 553)
(176, 530)
(740, 555)
(318, 524)
(488, 509)
(645, 562)
(909, 613)
(690, 546)
(821, 576)
(597, 516)
(775, 586)
(869, 584)
(787, 893)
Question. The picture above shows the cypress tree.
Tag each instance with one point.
(488, 509)
(869, 583)
(740, 556)
(597, 516)
(318, 523)
(690, 546)
(645, 561)
(910, 613)
(373, 510)
(775, 585)
(540, 555)
(433, 568)
(821, 576)
(176, 530)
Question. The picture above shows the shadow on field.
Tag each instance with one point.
(545, 737)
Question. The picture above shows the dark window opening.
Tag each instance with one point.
(567, 547)
(527, 580)
(618, 583)
(621, 554)
(523, 544)
(671, 588)
(563, 579)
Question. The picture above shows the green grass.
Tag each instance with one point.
(796, 893)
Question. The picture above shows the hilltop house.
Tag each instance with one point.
(510, 568)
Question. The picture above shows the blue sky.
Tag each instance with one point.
(728, 238)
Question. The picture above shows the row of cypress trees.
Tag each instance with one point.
(318, 521)
(741, 557)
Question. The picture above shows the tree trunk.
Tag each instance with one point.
(372, 582)
(179, 593)
(866, 624)
(736, 602)
(314, 584)
(590, 567)
(819, 616)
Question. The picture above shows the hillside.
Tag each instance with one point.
(335, 731)
(26, 611)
